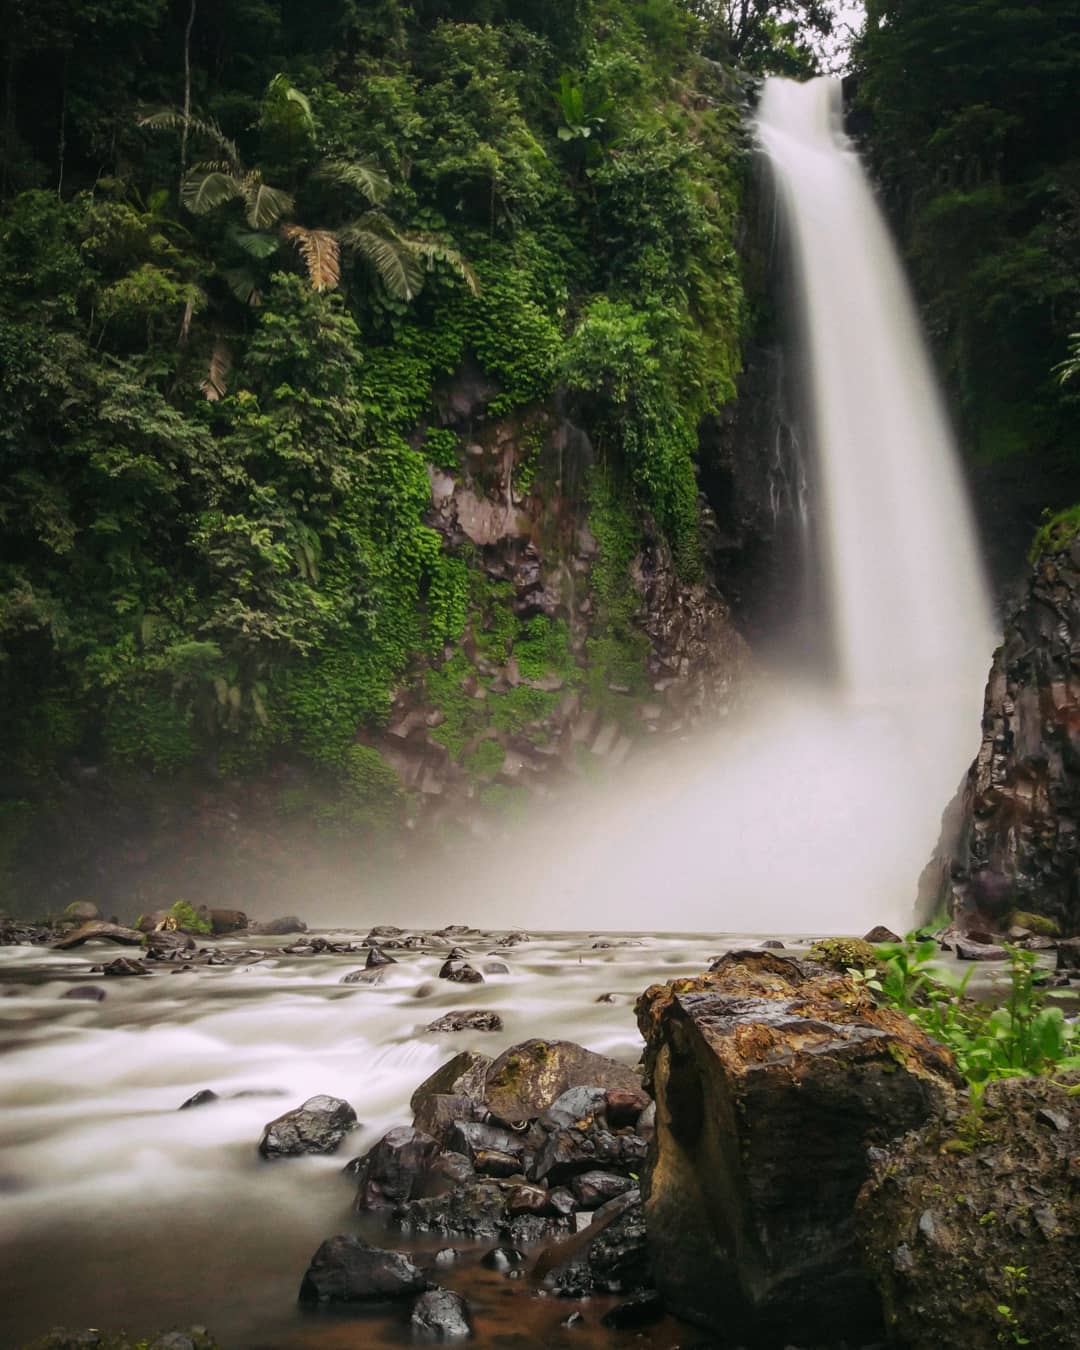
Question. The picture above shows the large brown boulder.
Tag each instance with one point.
(971, 1225)
(772, 1079)
(528, 1078)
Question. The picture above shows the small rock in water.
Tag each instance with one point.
(441, 1315)
(318, 1126)
(773, 944)
(88, 993)
(979, 951)
(393, 1170)
(201, 1098)
(495, 968)
(881, 934)
(575, 1319)
(363, 977)
(493, 1162)
(82, 911)
(347, 1270)
(460, 972)
(478, 1019)
(502, 1258)
(377, 957)
(125, 965)
(593, 1189)
(446, 1256)
(605, 998)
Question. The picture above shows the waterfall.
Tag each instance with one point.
(909, 606)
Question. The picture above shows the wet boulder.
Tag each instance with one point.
(440, 1315)
(82, 911)
(477, 1019)
(347, 1270)
(970, 1225)
(377, 957)
(125, 965)
(394, 1169)
(318, 1126)
(772, 1079)
(528, 1078)
(481, 1208)
(86, 993)
(595, 1188)
(204, 1097)
(462, 1076)
(438, 1113)
(460, 972)
(278, 927)
(224, 921)
(166, 944)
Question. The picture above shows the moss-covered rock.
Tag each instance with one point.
(970, 1226)
(1039, 924)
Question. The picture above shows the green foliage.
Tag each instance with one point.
(1021, 1036)
(183, 916)
(1057, 532)
(1034, 923)
(224, 341)
(843, 953)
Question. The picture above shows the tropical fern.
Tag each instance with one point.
(321, 253)
(390, 256)
(361, 175)
(1070, 367)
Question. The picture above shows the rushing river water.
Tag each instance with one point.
(119, 1210)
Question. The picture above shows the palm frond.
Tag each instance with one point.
(321, 253)
(215, 384)
(172, 119)
(202, 191)
(432, 251)
(360, 174)
(255, 244)
(243, 285)
(394, 263)
(294, 105)
(265, 205)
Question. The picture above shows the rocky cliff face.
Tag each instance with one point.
(1012, 837)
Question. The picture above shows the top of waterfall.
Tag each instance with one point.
(811, 111)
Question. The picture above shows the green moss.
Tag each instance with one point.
(442, 447)
(543, 648)
(486, 760)
(844, 954)
(463, 716)
(1035, 923)
(1056, 532)
(522, 708)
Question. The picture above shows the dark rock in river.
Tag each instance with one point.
(438, 1113)
(881, 934)
(279, 927)
(460, 972)
(495, 968)
(502, 1259)
(971, 1227)
(318, 1126)
(979, 951)
(377, 957)
(164, 944)
(593, 1189)
(474, 1020)
(89, 993)
(97, 930)
(363, 976)
(771, 1080)
(440, 1315)
(609, 1257)
(346, 1270)
(477, 1209)
(82, 911)
(394, 1169)
(462, 1076)
(224, 920)
(526, 1079)
(125, 965)
(203, 1097)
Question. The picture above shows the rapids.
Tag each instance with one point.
(119, 1210)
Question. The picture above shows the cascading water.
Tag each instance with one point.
(909, 605)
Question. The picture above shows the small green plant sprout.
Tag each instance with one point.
(1014, 1279)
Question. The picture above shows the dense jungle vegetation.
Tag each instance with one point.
(973, 133)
